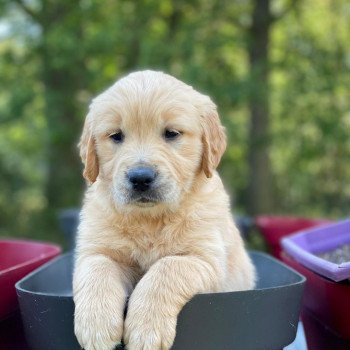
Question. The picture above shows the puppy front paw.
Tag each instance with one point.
(145, 329)
(98, 329)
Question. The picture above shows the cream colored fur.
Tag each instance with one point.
(160, 254)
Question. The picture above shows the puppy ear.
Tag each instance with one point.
(214, 140)
(88, 153)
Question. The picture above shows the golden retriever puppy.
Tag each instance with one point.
(156, 222)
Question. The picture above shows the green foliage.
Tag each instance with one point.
(56, 54)
(311, 120)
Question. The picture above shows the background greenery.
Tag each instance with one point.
(279, 71)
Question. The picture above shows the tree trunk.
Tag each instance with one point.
(63, 76)
(259, 191)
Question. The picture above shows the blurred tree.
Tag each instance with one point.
(260, 194)
(61, 69)
(311, 109)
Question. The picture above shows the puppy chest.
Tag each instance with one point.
(149, 251)
(147, 242)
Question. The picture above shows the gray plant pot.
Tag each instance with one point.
(68, 220)
(264, 318)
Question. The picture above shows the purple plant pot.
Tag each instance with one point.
(304, 245)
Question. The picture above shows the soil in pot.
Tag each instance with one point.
(339, 255)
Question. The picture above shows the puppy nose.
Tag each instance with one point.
(141, 178)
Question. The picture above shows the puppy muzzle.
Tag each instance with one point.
(142, 185)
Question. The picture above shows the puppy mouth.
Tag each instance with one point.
(151, 197)
(145, 200)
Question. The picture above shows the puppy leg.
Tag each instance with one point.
(100, 288)
(159, 297)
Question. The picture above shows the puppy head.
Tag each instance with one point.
(148, 137)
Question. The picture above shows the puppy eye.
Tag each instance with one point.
(117, 137)
(171, 134)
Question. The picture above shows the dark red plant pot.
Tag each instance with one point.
(319, 337)
(274, 228)
(17, 259)
(326, 300)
